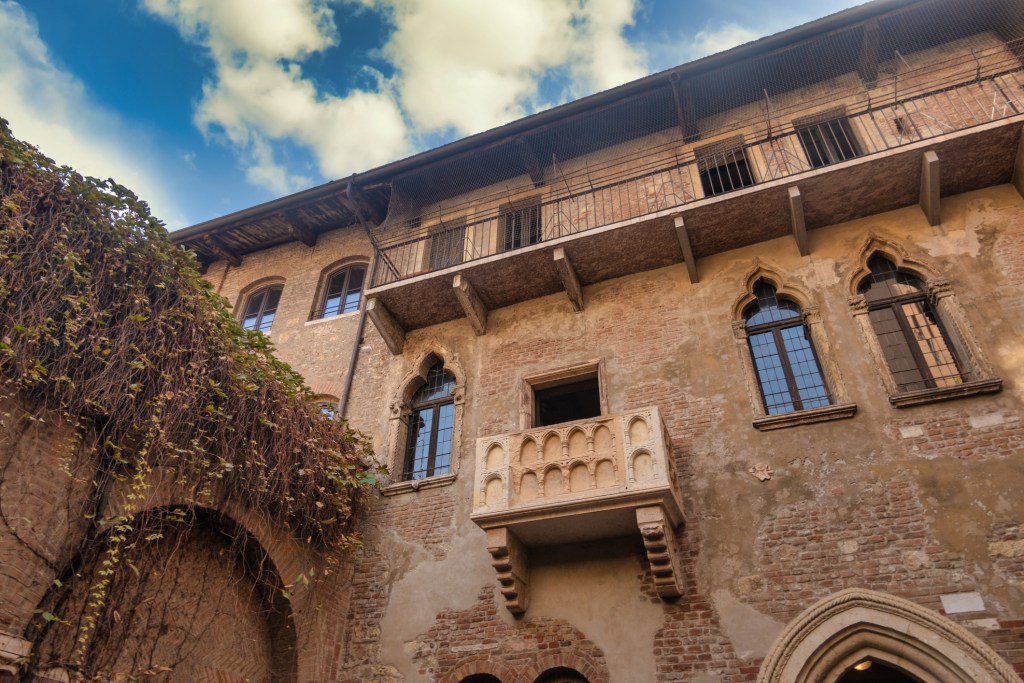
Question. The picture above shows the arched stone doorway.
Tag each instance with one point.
(902, 640)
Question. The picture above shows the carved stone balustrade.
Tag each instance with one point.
(603, 477)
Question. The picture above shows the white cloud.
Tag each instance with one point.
(469, 66)
(712, 39)
(51, 109)
(258, 96)
(461, 65)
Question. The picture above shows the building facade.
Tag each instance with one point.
(713, 377)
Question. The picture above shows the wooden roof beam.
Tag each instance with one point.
(221, 251)
(569, 279)
(471, 303)
(930, 192)
(531, 162)
(387, 326)
(684, 243)
(796, 212)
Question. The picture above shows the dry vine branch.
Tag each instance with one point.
(105, 322)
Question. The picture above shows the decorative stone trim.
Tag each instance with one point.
(842, 407)
(660, 542)
(916, 398)
(805, 417)
(835, 633)
(512, 568)
(400, 487)
(980, 375)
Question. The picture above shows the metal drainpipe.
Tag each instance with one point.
(343, 403)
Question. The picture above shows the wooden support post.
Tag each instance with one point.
(390, 330)
(684, 243)
(796, 211)
(220, 250)
(930, 187)
(471, 304)
(867, 62)
(569, 279)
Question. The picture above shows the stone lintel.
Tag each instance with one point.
(796, 212)
(930, 194)
(659, 542)
(509, 560)
(684, 243)
(390, 330)
(475, 309)
(569, 280)
(221, 250)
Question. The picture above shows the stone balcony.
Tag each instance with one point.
(599, 478)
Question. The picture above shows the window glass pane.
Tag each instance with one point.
(443, 455)
(768, 308)
(440, 384)
(273, 297)
(420, 425)
(885, 282)
(898, 355)
(252, 310)
(806, 374)
(938, 358)
(770, 374)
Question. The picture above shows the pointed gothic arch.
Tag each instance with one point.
(830, 637)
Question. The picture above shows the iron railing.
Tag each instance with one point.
(951, 95)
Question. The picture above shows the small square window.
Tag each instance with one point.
(519, 227)
(828, 142)
(724, 172)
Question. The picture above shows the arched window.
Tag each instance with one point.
(342, 292)
(915, 345)
(787, 368)
(260, 309)
(328, 406)
(428, 451)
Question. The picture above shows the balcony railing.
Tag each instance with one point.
(604, 462)
(922, 104)
(592, 479)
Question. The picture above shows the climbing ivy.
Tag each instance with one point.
(106, 322)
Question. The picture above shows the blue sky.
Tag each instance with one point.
(204, 107)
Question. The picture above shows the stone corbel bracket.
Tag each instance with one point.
(660, 544)
(509, 561)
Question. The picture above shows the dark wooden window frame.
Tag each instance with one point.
(434, 405)
(827, 148)
(776, 327)
(896, 305)
(321, 308)
(263, 310)
(530, 228)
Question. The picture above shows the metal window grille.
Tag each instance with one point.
(447, 246)
(343, 292)
(915, 345)
(788, 373)
(522, 228)
(429, 446)
(261, 308)
(829, 142)
(724, 172)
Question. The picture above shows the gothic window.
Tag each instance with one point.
(428, 450)
(343, 292)
(788, 374)
(917, 349)
(260, 309)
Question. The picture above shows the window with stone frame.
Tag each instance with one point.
(917, 348)
(428, 451)
(260, 308)
(828, 142)
(788, 373)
